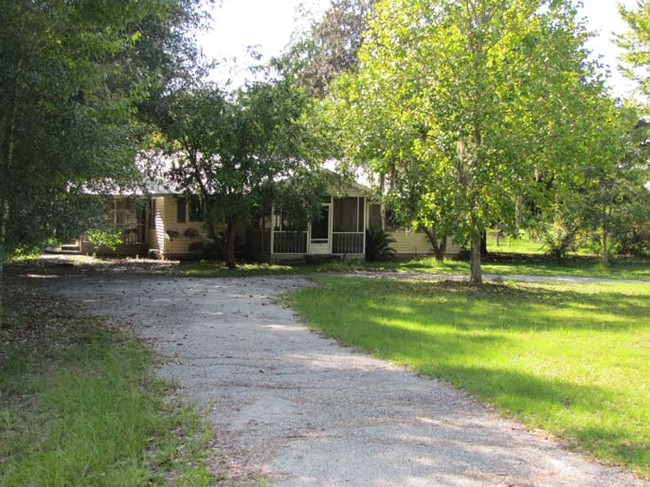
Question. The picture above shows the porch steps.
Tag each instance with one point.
(64, 250)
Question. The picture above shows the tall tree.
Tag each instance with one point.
(465, 101)
(606, 197)
(607, 188)
(239, 152)
(330, 46)
(634, 236)
(636, 43)
(72, 75)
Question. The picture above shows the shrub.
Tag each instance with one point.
(191, 233)
(633, 239)
(105, 240)
(559, 239)
(378, 246)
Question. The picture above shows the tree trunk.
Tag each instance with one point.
(8, 156)
(382, 206)
(439, 249)
(475, 259)
(484, 250)
(605, 250)
(439, 254)
(4, 220)
(519, 212)
(231, 234)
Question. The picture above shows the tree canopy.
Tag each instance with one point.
(461, 103)
(330, 46)
(636, 44)
(234, 151)
(74, 76)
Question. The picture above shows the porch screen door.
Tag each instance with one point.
(320, 232)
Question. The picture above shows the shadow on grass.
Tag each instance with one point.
(638, 269)
(569, 410)
(519, 392)
(515, 307)
(613, 444)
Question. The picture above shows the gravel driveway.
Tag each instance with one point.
(301, 410)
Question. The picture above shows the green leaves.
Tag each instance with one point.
(74, 77)
(636, 43)
(234, 150)
(330, 46)
(458, 104)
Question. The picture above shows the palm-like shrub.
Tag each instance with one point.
(378, 246)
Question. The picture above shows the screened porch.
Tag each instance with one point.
(348, 225)
(339, 230)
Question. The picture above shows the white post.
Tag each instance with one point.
(365, 222)
(330, 225)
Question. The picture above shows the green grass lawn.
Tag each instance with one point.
(636, 269)
(79, 405)
(573, 360)
(509, 244)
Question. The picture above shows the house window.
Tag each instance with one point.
(375, 222)
(195, 209)
(181, 210)
(391, 222)
(262, 218)
(189, 209)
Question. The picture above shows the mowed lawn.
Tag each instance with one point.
(573, 360)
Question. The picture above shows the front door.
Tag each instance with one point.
(319, 242)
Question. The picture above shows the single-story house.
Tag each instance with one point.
(170, 226)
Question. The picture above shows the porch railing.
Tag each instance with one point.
(289, 242)
(347, 243)
(133, 233)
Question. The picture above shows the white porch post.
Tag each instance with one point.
(330, 225)
(358, 205)
(309, 238)
(365, 222)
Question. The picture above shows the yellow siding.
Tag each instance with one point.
(346, 189)
(157, 235)
(452, 246)
(416, 243)
(179, 245)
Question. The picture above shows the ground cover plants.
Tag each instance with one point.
(522, 244)
(569, 359)
(79, 404)
(498, 263)
(637, 269)
(511, 256)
